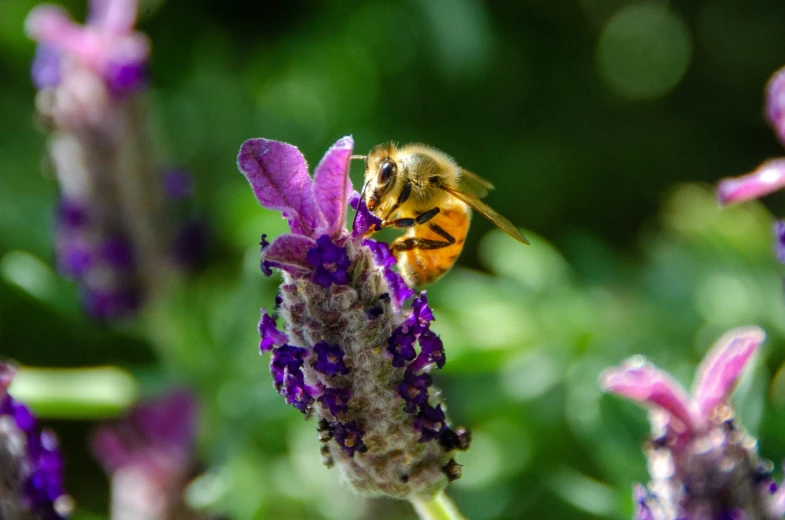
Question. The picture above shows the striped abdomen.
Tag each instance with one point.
(420, 266)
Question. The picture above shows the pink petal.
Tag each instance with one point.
(332, 186)
(289, 253)
(641, 382)
(51, 25)
(279, 178)
(114, 16)
(775, 103)
(768, 177)
(721, 368)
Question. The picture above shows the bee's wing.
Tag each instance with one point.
(473, 184)
(487, 212)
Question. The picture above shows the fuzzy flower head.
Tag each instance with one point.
(702, 463)
(769, 176)
(31, 466)
(149, 454)
(348, 353)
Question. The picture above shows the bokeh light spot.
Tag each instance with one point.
(28, 273)
(724, 299)
(644, 51)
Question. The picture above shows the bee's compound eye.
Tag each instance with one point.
(385, 171)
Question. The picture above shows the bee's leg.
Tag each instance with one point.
(409, 243)
(441, 232)
(403, 223)
(405, 243)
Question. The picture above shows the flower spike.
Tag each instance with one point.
(350, 355)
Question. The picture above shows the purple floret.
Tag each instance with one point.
(431, 351)
(110, 303)
(398, 287)
(296, 392)
(286, 358)
(43, 481)
(75, 258)
(381, 253)
(269, 333)
(401, 345)
(414, 390)
(71, 215)
(430, 422)
(349, 437)
(329, 360)
(117, 252)
(384, 258)
(124, 77)
(421, 311)
(264, 264)
(46, 67)
(336, 400)
(330, 262)
(642, 510)
(365, 222)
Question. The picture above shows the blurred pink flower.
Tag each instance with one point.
(701, 462)
(149, 456)
(769, 176)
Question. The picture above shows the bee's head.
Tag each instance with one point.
(381, 174)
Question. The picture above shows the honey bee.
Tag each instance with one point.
(423, 190)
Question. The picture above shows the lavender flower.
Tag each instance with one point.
(31, 467)
(769, 176)
(113, 227)
(148, 454)
(349, 352)
(703, 465)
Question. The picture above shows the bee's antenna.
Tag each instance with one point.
(362, 198)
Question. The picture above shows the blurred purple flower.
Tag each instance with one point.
(31, 466)
(341, 304)
(769, 176)
(149, 456)
(121, 231)
(701, 462)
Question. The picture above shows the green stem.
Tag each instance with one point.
(439, 507)
(74, 393)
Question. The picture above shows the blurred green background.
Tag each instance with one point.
(603, 124)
